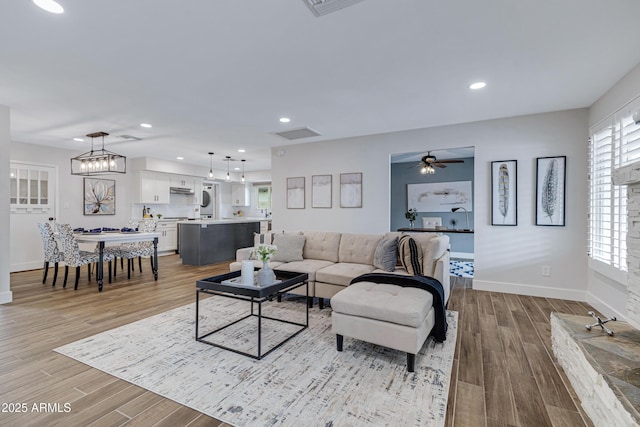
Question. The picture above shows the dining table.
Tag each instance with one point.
(102, 238)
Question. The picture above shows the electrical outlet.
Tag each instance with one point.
(546, 270)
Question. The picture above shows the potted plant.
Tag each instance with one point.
(411, 215)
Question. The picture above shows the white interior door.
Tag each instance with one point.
(32, 200)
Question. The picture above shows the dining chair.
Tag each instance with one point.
(74, 257)
(132, 250)
(51, 251)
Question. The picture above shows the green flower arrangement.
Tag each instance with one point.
(411, 214)
(265, 252)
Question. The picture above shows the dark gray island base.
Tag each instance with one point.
(208, 242)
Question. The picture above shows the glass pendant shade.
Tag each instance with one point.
(98, 162)
(242, 169)
(210, 164)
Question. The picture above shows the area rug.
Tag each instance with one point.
(304, 382)
(461, 268)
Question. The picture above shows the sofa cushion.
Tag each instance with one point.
(410, 255)
(398, 270)
(263, 238)
(321, 245)
(358, 248)
(386, 254)
(289, 247)
(309, 266)
(433, 246)
(390, 303)
(342, 273)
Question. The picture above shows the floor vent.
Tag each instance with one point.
(323, 7)
(298, 133)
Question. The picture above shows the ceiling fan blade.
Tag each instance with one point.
(440, 165)
(451, 161)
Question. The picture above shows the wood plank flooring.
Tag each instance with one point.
(504, 371)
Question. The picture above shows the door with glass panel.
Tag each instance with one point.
(32, 200)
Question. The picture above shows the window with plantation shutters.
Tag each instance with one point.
(611, 147)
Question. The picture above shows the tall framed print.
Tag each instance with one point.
(351, 190)
(504, 192)
(321, 191)
(295, 193)
(550, 190)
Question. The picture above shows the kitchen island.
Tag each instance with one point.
(204, 242)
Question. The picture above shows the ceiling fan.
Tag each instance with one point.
(428, 162)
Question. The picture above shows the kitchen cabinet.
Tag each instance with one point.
(152, 188)
(240, 195)
(168, 240)
(182, 181)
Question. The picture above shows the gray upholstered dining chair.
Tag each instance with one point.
(51, 251)
(74, 257)
(132, 250)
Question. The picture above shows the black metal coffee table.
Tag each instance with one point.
(255, 295)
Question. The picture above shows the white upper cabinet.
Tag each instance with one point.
(240, 195)
(152, 188)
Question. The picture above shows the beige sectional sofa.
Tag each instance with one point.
(333, 259)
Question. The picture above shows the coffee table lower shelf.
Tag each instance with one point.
(209, 287)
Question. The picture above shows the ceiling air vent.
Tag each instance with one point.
(323, 7)
(130, 137)
(298, 133)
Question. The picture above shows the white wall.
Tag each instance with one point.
(5, 144)
(507, 259)
(607, 287)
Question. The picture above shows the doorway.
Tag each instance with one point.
(32, 200)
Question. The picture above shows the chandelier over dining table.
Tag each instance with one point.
(98, 162)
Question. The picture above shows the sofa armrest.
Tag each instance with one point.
(243, 254)
(442, 273)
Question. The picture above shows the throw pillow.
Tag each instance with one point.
(289, 246)
(386, 254)
(410, 255)
(263, 239)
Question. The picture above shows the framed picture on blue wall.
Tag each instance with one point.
(504, 192)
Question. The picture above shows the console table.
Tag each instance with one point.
(433, 230)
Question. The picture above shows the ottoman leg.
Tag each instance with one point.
(310, 302)
(411, 362)
(339, 339)
(321, 303)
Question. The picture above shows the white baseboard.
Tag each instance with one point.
(6, 297)
(25, 266)
(604, 308)
(461, 255)
(531, 290)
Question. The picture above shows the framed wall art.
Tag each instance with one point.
(440, 196)
(504, 192)
(550, 190)
(99, 196)
(321, 191)
(295, 193)
(351, 190)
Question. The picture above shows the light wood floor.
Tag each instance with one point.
(504, 370)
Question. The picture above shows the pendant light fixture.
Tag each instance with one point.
(98, 162)
(210, 165)
(228, 159)
(242, 169)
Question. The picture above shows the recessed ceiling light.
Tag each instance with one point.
(477, 85)
(285, 119)
(145, 125)
(180, 158)
(78, 139)
(49, 6)
(236, 169)
(241, 150)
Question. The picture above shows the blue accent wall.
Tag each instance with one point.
(409, 173)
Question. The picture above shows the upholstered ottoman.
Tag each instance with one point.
(395, 316)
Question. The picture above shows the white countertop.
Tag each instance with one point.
(219, 221)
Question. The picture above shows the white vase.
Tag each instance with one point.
(265, 275)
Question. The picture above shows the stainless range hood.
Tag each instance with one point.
(180, 190)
